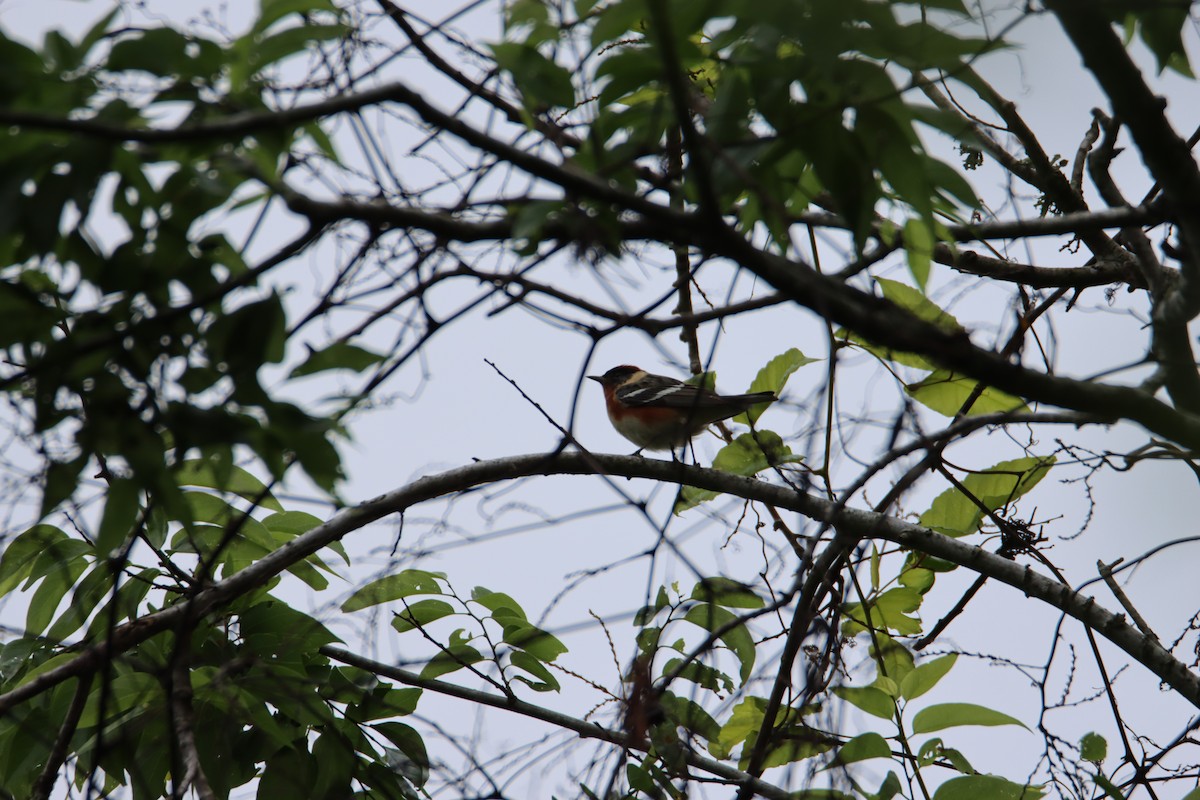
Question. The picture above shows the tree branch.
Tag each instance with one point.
(1166, 154)
(58, 754)
(588, 730)
(850, 524)
(1099, 273)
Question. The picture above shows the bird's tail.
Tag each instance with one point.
(752, 399)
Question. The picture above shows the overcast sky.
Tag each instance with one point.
(450, 407)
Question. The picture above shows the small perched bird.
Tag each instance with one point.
(660, 413)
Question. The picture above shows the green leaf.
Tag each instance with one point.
(886, 685)
(87, 595)
(129, 597)
(538, 78)
(226, 478)
(125, 692)
(421, 613)
(746, 455)
(875, 563)
(529, 222)
(745, 721)
(926, 676)
(533, 640)
(503, 607)
(986, 787)
(891, 658)
(583, 7)
(271, 11)
(887, 612)
(869, 699)
(888, 789)
(727, 120)
(20, 654)
(616, 19)
(918, 247)
(454, 657)
(336, 763)
(690, 716)
(59, 578)
(287, 773)
(244, 339)
(60, 481)
(700, 674)
(544, 679)
(920, 579)
(393, 587)
(159, 51)
(860, 748)
(1112, 791)
(952, 182)
(915, 302)
(276, 631)
(641, 780)
(120, 513)
(934, 749)
(797, 742)
(96, 32)
(841, 161)
(950, 715)
(22, 552)
(385, 702)
(525, 12)
(339, 355)
(947, 393)
(737, 638)
(726, 592)
(1093, 747)
(1161, 27)
(267, 50)
(291, 523)
(955, 514)
(287, 525)
(647, 613)
(415, 763)
(772, 378)
(630, 77)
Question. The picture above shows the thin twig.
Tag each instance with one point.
(1106, 572)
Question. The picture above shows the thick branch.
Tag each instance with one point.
(885, 323)
(44, 785)
(232, 126)
(848, 522)
(1169, 159)
(1038, 171)
(1100, 273)
(1165, 153)
(876, 318)
(457, 227)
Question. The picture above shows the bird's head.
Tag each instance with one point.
(615, 376)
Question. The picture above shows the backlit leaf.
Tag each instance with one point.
(950, 715)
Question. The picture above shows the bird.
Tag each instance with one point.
(660, 413)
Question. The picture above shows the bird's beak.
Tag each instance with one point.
(595, 378)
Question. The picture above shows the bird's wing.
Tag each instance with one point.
(662, 392)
